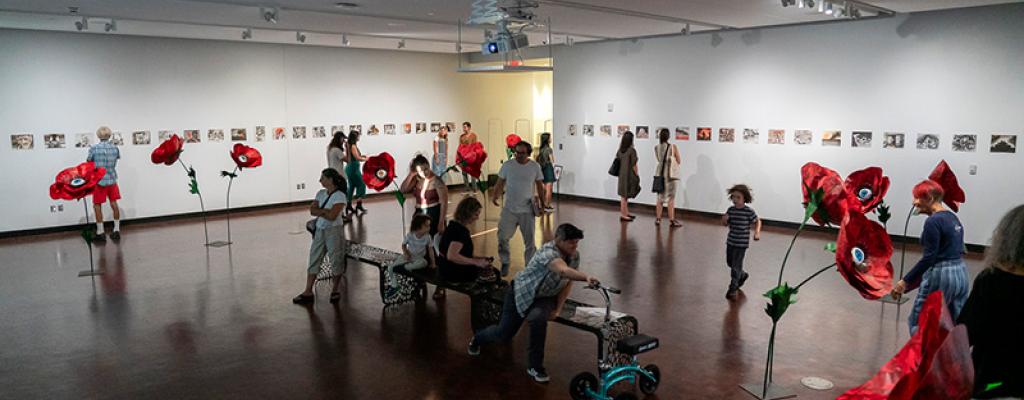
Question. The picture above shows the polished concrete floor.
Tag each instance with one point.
(172, 319)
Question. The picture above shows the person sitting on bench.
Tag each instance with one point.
(456, 262)
(537, 295)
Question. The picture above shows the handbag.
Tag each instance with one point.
(614, 170)
(659, 181)
(311, 224)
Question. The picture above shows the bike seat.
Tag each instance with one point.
(636, 344)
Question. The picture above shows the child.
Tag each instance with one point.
(418, 249)
(105, 154)
(739, 218)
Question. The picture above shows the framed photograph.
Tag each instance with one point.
(572, 129)
(588, 130)
(803, 137)
(927, 141)
(682, 133)
(164, 135)
(215, 135)
(703, 133)
(54, 140)
(261, 133)
(279, 133)
(389, 129)
(319, 131)
(725, 135)
(407, 128)
(192, 136)
(893, 140)
(450, 126)
(373, 130)
(657, 132)
(861, 139)
(622, 129)
(140, 138)
(435, 127)
(336, 129)
(776, 136)
(832, 138)
(751, 136)
(606, 130)
(117, 139)
(965, 143)
(421, 127)
(357, 128)
(643, 132)
(1002, 143)
(298, 132)
(239, 135)
(22, 141)
(83, 140)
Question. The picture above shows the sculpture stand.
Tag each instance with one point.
(88, 243)
(227, 208)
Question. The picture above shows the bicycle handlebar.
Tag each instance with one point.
(601, 287)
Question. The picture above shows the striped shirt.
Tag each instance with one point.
(740, 220)
(105, 155)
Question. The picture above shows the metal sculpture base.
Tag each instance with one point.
(91, 272)
(774, 391)
(888, 299)
(218, 243)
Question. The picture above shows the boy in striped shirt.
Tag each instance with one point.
(739, 218)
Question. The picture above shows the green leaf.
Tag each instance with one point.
(830, 247)
(992, 385)
(88, 234)
(883, 213)
(779, 299)
(508, 153)
(401, 198)
(193, 186)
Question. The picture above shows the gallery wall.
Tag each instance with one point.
(943, 73)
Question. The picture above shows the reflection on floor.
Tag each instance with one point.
(172, 319)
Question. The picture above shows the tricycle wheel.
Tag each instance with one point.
(647, 385)
(580, 383)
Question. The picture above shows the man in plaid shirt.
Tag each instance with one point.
(105, 155)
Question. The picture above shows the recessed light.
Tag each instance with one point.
(430, 13)
(345, 4)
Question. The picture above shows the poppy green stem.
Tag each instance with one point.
(814, 275)
(788, 250)
(768, 362)
(227, 201)
(202, 206)
(88, 244)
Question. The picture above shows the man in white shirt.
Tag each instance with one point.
(521, 177)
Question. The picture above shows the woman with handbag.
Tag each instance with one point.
(629, 177)
(665, 177)
(328, 238)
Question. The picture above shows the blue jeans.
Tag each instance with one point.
(951, 278)
(511, 321)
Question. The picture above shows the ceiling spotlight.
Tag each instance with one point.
(401, 44)
(828, 9)
(344, 40)
(787, 3)
(110, 26)
(247, 34)
(809, 3)
(346, 4)
(300, 37)
(821, 6)
(569, 41)
(269, 14)
(854, 13)
(82, 25)
(800, 3)
(686, 29)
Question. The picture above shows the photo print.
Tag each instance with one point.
(215, 135)
(588, 130)
(164, 135)
(893, 140)
(319, 131)
(54, 140)
(803, 137)
(336, 129)
(357, 128)
(704, 133)
(140, 138)
(22, 141)
(407, 128)
(572, 129)
(83, 140)
(421, 127)
(373, 130)
(776, 136)
(965, 143)
(389, 129)
(239, 135)
(927, 141)
(117, 139)
(832, 138)
(682, 133)
(192, 136)
(622, 129)
(298, 132)
(450, 126)
(606, 130)
(280, 133)
(751, 136)
(725, 135)
(261, 133)
(435, 127)
(657, 131)
(643, 132)
(861, 139)
(1003, 144)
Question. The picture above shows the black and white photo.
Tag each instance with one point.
(927, 141)
(1003, 144)
(965, 143)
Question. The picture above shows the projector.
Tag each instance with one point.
(504, 42)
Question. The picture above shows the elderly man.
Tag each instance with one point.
(536, 296)
(521, 177)
(105, 154)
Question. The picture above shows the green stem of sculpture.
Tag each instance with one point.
(788, 250)
(202, 206)
(814, 275)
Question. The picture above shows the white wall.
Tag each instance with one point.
(71, 83)
(944, 73)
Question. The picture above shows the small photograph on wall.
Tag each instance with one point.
(54, 140)
(336, 129)
(216, 135)
(451, 126)
(261, 133)
(279, 133)
(861, 139)
(298, 132)
(421, 127)
(319, 131)
(803, 137)
(682, 133)
(643, 132)
(83, 140)
(164, 135)
(389, 129)
(927, 141)
(572, 129)
(407, 128)
(192, 136)
(606, 130)
(832, 138)
(239, 135)
(704, 133)
(776, 136)
(357, 128)
(588, 130)
(140, 138)
(117, 139)
(1003, 144)
(621, 129)
(373, 130)
(965, 143)
(893, 140)
(751, 136)
(435, 127)
(657, 132)
(22, 141)
(726, 135)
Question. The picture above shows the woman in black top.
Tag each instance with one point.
(994, 313)
(457, 263)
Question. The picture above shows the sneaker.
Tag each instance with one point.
(504, 270)
(539, 374)
(743, 280)
(100, 238)
(473, 349)
(731, 294)
(116, 235)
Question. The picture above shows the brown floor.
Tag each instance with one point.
(172, 320)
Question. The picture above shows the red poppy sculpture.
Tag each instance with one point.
(934, 364)
(867, 188)
(862, 255)
(510, 144)
(168, 151)
(76, 182)
(835, 199)
(379, 171)
(245, 156)
(471, 157)
(953, 194)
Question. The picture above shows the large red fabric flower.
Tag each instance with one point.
(512, 140)
(953, 194)
(379, 171)
(862, 254)
(76, 182)
(867, 187)
(245, 156)
(934, 364)
(471, 158)
(835, 199)
(168, 151)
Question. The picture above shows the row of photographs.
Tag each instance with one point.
(26, 141)
(1000, 143)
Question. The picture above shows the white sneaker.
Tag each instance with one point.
(539, 375)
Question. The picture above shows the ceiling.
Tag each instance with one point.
(421, 25)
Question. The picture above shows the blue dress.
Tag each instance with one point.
(440, 161)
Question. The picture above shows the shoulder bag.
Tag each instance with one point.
(614, 170)
(659, 181)
(311, 224)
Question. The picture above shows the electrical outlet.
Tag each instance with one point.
(298, 186)
(974, 170)
(60, 208)
(611, 107)
(53, 209)
(303, 184)
(559, 146)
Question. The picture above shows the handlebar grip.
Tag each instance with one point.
(613, 290)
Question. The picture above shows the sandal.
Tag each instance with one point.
(303, 299)
(675, 224)
(657, 222)
(438, 294)
(627, 219)
(335, 297)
